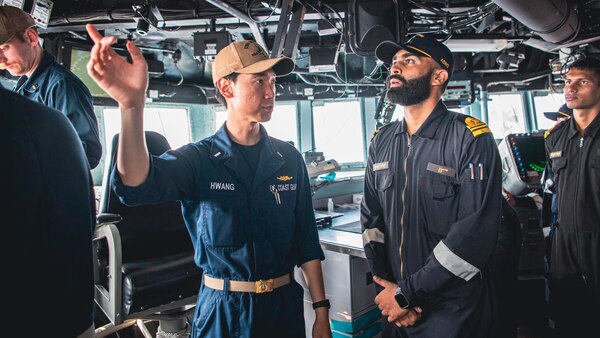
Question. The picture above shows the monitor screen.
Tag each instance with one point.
(79, 60)
(528, 150)
(523, 162)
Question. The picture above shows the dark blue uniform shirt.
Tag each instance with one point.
(243, 227)
(56, 87)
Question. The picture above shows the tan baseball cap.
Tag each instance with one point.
(13, 20)
(248, 57)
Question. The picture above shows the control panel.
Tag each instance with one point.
(523, 162)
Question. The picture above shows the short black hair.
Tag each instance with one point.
(588, 63)
(218, 96)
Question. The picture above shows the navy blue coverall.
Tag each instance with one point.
(575, 269)
(56, 87)
(243, 228)
(430, 216)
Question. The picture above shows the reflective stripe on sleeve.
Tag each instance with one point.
(453, 263)
(373, 235)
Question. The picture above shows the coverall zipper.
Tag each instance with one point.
(404, 205)
(575, 220)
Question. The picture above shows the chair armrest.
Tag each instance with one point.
(104, 218)
(109, 299)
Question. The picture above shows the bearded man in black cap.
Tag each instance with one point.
(431, 208)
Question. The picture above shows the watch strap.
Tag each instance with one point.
(321, 303)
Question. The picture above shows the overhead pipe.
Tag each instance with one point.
(553, 20)
(329, 84)
(226, 7)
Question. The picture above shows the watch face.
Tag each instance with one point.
(401, 300)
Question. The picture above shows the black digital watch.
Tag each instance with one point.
(401, 299)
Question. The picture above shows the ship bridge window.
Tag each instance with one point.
(338, 131)
(283, 124)
(505, 114)
(549, 102)
(173, 123)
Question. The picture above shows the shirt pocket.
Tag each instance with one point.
(383, 180)
(224, 220)
(558, 169)
(279, 215)
(438, 201)
(596, 160)
(595, 172)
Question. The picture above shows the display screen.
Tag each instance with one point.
(528, 153)
(79, 60)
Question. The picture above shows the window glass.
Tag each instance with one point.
(505, 115)
(220, 116)
(173, 123)
(541, 104)
(283, 124)
(398, 113)
(338, 131)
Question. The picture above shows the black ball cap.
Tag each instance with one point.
(563, 111)
(420, 45)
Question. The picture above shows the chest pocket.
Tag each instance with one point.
(596, 160)
(438, 201)
(223, 221)
(383, 180)
(279, 210)
(558, 169)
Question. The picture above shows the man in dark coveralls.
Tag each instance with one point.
(432, 203)
(573, 151)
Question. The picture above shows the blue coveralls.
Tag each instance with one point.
(56, 87)
(240, 229)
(430, 216)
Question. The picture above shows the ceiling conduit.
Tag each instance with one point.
(224, 6)
(553, 20)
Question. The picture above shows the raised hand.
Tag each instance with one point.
(125, 82)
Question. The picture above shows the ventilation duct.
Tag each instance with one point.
(553, 20)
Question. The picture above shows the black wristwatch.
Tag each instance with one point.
(321, 303)
(401, 299)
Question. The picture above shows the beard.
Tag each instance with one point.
(411, 92)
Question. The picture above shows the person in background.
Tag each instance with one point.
(549, 207)
(245, 196)
(573, 152)
(431, 209)
(546, 201)
(48, 212)
(43, 80)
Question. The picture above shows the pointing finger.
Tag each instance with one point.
(93, 33)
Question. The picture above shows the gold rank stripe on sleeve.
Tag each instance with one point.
(476, 127)
(375, 132)
(378, 130)
(547, 132)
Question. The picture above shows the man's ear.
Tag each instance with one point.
(224, 86)
(32, 37)
(439, 77)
